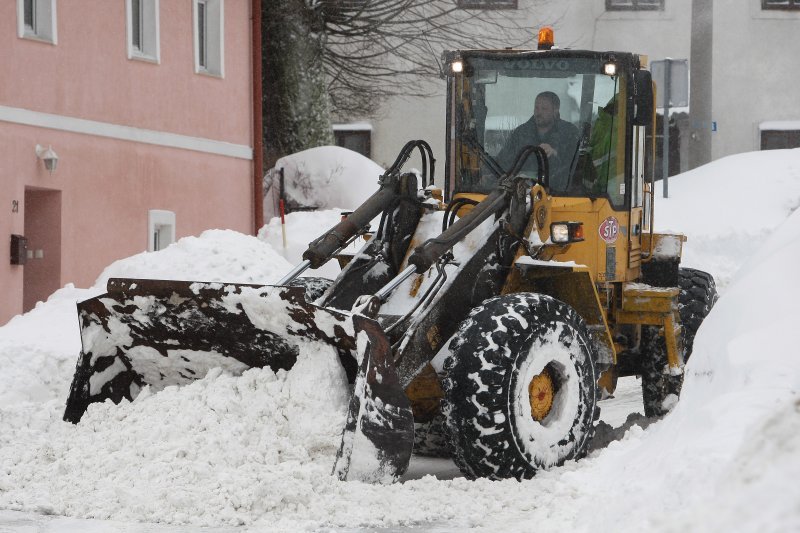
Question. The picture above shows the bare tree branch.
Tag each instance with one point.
(374, 49)
(345, 57)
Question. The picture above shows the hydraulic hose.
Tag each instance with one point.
(425, 255)
(323, 248)
(543, 167)
(327, 245)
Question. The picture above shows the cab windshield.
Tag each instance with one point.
(567, 106)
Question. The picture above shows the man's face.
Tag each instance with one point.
(544, 113)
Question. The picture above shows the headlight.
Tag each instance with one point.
(610, 69)
(566, 232)
(559, 233)
(457, 66)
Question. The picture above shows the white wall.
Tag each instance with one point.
(756, 72)
(406, 119)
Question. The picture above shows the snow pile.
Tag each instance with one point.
(729, 207)
(217, 451)
(727, 458)
(301, 229)
(743, 389)
(216, 255)
(324, 178)
(38, 350)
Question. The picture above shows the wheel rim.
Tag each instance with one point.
(545, 425)
(540, 395)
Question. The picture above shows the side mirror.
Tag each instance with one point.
(642, 98)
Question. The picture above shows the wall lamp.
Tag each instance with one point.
(48, 156)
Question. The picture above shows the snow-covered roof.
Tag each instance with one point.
(353, 126)
(772, 125)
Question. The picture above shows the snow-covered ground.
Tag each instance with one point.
(255, 451)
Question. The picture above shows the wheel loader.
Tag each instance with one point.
(489, 315)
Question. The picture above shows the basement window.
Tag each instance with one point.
(780, 134)
(487, 4)
(36, 19)
(209, 37)
(785, 5)
(355, 137)
(142, 26)
(634, 5)
(160, 229)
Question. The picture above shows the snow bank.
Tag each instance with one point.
(728, 456)
(38, 350)
(216, 255)
(218, 451)
(729, 207)
(743, 388)
(301, 229)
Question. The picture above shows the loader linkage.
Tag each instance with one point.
(159, 333)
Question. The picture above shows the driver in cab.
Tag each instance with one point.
(558, 138)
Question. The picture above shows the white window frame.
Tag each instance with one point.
(44, 21)
(150, 49)
(214, 43)
(160, 229)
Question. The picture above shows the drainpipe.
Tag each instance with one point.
(258, 121)
(700, 83)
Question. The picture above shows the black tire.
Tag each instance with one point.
(698, 295)
(315, 287)
(660, 389)
(431, 438)
(505, 345)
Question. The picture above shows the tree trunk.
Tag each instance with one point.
(296, 104)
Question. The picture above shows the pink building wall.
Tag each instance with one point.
(94, 208)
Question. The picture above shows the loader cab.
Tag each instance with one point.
(492, 96)
(605, 102)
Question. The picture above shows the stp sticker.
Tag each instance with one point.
(609, 229)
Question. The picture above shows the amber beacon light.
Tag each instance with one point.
(546, 38)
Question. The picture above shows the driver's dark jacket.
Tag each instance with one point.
(563, 137)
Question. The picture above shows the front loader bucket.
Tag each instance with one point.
(379, 433)
(161, 333)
